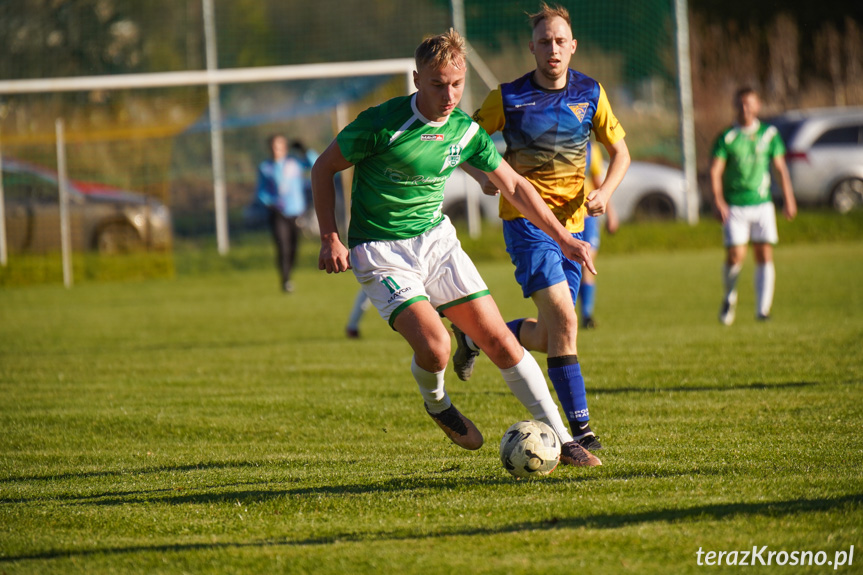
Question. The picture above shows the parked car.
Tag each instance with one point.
(824, 155)
(648, 191)
(101, 218)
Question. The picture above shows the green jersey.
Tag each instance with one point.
(747, 154)
(401, 163)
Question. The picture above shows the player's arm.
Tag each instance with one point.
(717, 167)
(488, 187)
(618, 163)
(334, 256)
(790, 206)
(521, 194)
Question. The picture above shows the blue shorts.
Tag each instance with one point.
(539, 262)
(591, 231)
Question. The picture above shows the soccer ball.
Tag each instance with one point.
(530, 449)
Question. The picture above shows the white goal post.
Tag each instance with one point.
(396, 66)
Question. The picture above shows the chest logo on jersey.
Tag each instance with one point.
(579, 110)
(431, 137)
(453, 159)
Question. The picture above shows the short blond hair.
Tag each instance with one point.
(441, 50)
(546, 12)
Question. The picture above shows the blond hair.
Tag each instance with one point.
(441, 50)
(547, 12)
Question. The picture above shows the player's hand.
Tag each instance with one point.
(596, 203)
(490, 189)
(722, 211)
(578, 251)
(790, 210)
(334, 256)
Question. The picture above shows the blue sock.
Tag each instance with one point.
(565, 375)
(587, 294)
(515, 326)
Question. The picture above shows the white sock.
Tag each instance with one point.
(729, 281)
(765, 280)
(527, 382)
(470, 343)
(431, 387)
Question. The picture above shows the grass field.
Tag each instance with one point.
(211, 424)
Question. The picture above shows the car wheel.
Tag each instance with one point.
(847, 194)
(654, 206)
(118, 238)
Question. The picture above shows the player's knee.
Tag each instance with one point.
(437, 352)
(503, 349)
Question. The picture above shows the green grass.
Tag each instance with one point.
(210, 424)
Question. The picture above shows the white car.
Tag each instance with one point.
(824, 152)
(648, 191)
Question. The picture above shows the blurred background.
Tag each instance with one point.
(148, 152)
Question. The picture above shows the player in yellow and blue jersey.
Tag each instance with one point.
(546, 118)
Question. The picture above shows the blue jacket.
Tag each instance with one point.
(280, 186)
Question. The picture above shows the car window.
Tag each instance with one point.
(21, 187)
(787, 128)
(844, 135)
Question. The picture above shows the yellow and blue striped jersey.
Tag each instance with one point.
(547, 134)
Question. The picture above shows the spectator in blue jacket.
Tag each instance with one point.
(280, 189)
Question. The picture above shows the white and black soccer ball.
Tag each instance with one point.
(530, 449)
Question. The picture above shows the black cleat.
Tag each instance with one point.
(589, 442)
(464, 357)
(458, 428)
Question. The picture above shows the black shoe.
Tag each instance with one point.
(352, 333)
(590, 442)
(761, 317)
(588, 323)
(457, 427)
(464, 358)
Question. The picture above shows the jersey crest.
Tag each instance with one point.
(453, 159)
(579, 110)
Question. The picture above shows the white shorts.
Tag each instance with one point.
(432, 266)
(756, 224)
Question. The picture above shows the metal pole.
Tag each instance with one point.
(687, 122)
(63, 181)
(216, 132)
(474, 225)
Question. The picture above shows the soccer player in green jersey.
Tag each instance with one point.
(740, 176)
(405, 252)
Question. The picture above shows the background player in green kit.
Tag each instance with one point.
(405, 252)
(740, 175)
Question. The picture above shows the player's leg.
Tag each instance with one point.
(395, 283)
(421, 327)
(481, 321)
(361, 304)
(558, 319)
(765, 280)
(587, 296)
(736, 235)
(764, 235)
(587, 288)
(281, 237)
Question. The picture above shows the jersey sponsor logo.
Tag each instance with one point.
(453, 159)
(395, 289)
(579, 110)
(431, 137)
(397, 177)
